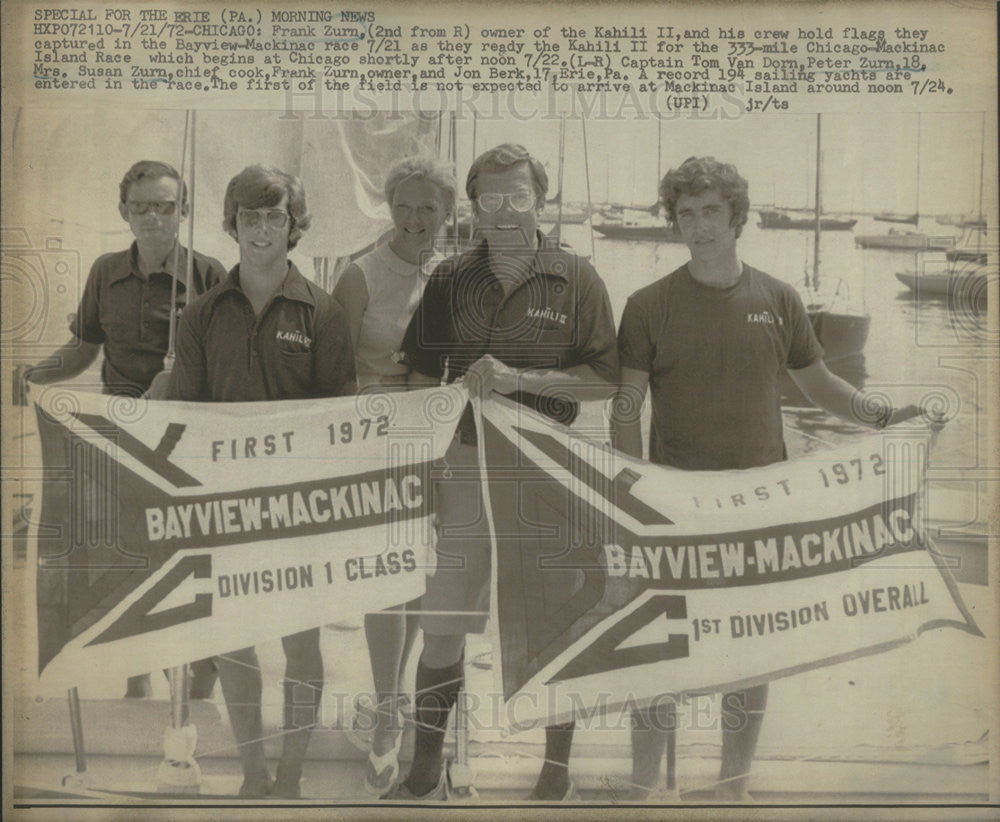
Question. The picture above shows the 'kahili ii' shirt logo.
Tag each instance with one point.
(547, 314)
(295, 337)
(764, 317)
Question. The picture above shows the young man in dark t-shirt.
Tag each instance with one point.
(266, 333)
(710, 341)
(126, 308)
(520, 316)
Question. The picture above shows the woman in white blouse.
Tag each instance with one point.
(379, 292)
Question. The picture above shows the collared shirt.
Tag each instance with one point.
(297, 347)
(129, 313)
(556, 316)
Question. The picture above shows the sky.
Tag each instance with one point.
(67, 163)
(869, 163)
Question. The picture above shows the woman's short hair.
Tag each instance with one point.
(150, 170)
(700, 174)
(260, 187)
(502, 157)
(424, 167)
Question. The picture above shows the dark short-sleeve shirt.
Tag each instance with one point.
(298, 347)
(556, 317)
(714, 358)
(129, 313)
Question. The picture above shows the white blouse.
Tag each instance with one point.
(394, 291)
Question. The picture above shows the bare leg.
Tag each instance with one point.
(203, 677)
(391, 634)
(651, 729)
(239, 673)
(742, 716)
(412, 621)
(303, 690)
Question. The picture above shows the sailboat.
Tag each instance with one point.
(556, 211)
(906, 219)
(641, 223)
(841, 327)
(904, 240)
(965, 280)
(629, 228)
(796, 219)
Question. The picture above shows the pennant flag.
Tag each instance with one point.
(617, 580)
(174, 531)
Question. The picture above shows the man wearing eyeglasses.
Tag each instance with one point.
(125, 309)
(126, 302)
(523, 317)
(266, 333)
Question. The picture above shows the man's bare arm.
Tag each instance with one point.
(626, 412)
(73, 358)
(842, 399)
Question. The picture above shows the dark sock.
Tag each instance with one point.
(437, 692)
(553, 781)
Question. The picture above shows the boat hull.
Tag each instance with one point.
(905, 219)
(903, 242)
(969, 287)
(965, 255)
(568, 217)
(842, 335)
(656, 233)
(779, 219)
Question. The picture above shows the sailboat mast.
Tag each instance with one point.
(590, 197)
(659, 170)
(819, 204)
(659, 149)
(632, 186)
(918, 169)
(982, 154)
(189, 274)
(562, 156)
(452, 156)
(980, 222)
(172, 326)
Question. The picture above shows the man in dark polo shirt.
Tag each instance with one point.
(126, 309)
(265, 333)
(522, 317)
(710, 342)
(126, 302)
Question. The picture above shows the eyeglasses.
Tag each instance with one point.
(251, 217)
(491, 201)
(162, 207)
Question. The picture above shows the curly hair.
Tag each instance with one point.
(260, 187)
(502, 157)
(700, 174)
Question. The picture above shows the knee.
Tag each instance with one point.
(243, 661)
(748, 700)
(303, 659)
(442, 650)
